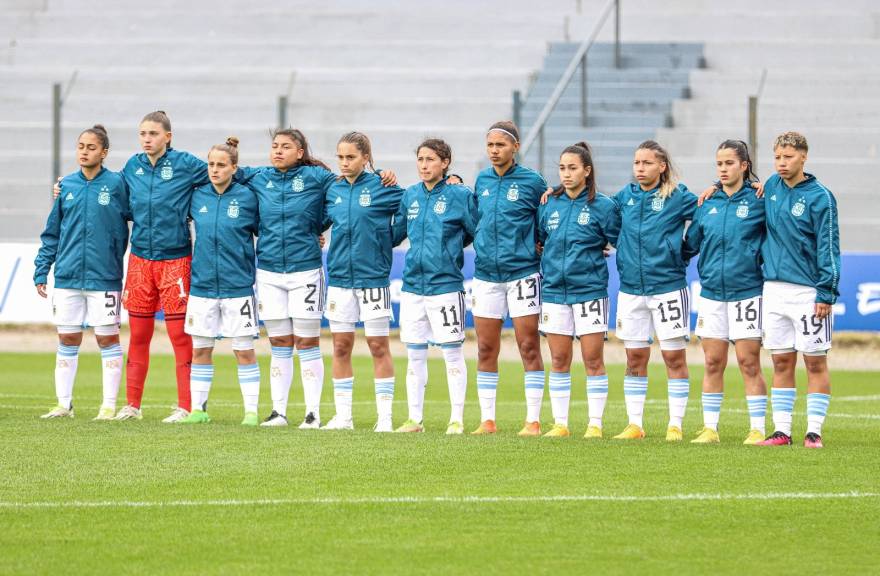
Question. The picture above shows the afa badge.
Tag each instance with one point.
(104, 196)
(232, 210)
(657, 203)
(584, 217)
(167, 172)
(742, 211)
(798, 208)
(298, 185)
(440, 206)
(513, 193)
(365, 199)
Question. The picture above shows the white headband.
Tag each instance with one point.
(515, 139)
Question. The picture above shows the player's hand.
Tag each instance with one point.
(546, 195)
(539, 248)
(759, 189)
(822, 310)
(454, 179)
(41, 290)
(706, 194)
(321, 240)
(56, 189)
(389, 178)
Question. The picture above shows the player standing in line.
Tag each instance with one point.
(575, 226)
(801, 257)
(727, 232)
(360, 209)
(221, 302)
(85, 238)
(653, 287)
(440, 220)
(506, 279)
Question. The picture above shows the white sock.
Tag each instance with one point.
(757, 412)
(456, 380)
(384, 396)
(280, 375)
(635, 388)
(678, 390)
(111, 370)
(783, 406)
(66, 361)
(249, 382)
(200, 379)
(712, 409)
(817, 408)
(560, 396)
(597, 396)
(342, 390)
(416, 379)
(534, 384)
(487, 387)
(311, 369)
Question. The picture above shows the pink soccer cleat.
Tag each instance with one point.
(812, 440)
(776, 439)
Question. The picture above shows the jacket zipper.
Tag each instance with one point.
(422, 240)
(350, 235)
(85, 199)
(724, 248)
(641, 217)
(283, 221)
(217, 246)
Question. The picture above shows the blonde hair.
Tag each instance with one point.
(669, 177)
(230, 147)
(794, 139)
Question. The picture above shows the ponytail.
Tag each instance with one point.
(585, 153)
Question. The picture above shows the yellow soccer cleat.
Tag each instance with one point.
(593, 432)
(530, 429)
(485, 427)
(558, 431)
(707, 436)
(754, 437)
(674, 434)
(631, 432)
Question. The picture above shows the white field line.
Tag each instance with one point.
(697, 497)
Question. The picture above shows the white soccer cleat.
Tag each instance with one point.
(58, 412)
(105, 413)
(275, 419)
(129, 413)
(383, 425)
(311, 422)
(337, 423)
(178, 415)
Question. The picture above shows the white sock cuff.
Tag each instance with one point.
(277, 328)
(307, 327)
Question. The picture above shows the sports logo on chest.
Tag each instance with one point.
(232, 210)
(513, 192)
(440, 206)
(104, 196)
(742, 211)
(298, 185)
(797, 209)
(167, 172)
(657, 203)
(413, 211)
(365, 199)
(553, 221)
(584, 216)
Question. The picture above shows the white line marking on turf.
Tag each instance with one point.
(446, 500)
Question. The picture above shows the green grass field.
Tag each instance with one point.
(144, 497)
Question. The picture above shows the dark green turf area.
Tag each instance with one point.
(143, 497)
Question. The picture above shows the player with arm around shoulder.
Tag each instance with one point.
(85, 239)
(575, 226)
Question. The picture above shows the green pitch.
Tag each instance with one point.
(143, 497)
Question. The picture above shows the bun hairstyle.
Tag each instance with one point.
(669, 177)
(362, 143)
(160, 117)
(100, 133)
(507, 128)
(230, 147)
(585, 153)
(741, 150)
(439, 147)
(300, 139)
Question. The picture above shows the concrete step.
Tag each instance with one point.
(609, 91)
(806, 114)
(839, 142)
(835, 173)
(843, 53)
(781, 84)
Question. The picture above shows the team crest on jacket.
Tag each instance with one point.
(742, 211)
(440, 205)
(798, 208)
(167, 172)
(413, 211)
(365, 199)
(513, 192)
(104, 196)
(232, 210)
(584, 216)
(298, 185)
(553, 221)
(657, 203)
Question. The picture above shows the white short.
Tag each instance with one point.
(737, 320)
(638, 317)
(790, 322)
(502, 299)
(293, 295)
(435, 319)
(575, 319)
(221, 317)
(354, 305)
(85, 307)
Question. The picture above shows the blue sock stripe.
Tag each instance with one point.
(635, 380)
(417, 346)
(597, 389)
(310, 354)
(561, 387)
(343, 384)
(450, 346)
(68, 351)
(282, 352)
(783, 393)
(817, 404)
(783, 399)
(597, 379)
(680, 381)
(111, 351)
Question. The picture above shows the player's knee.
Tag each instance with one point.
(70, 338)
(281, 341)
(342, 349)
(302, 343)
(560, 360)
(487, 350)
(750, 366)
(378, 346)
(529, 348)
(107, 341)
(594, 366)
(716, 363)
(783, 363)
(816, 365)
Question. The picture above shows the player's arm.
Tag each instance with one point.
(399, 225)
(48, 248)
(827, 252)
(693, 238)
(611, 226)
(470, 218)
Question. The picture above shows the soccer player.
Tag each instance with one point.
(440, 220)
(506, 278)
(653, 288)
(575, 226)
(360, 209)
(727, 232)
(85, 238)
(801, 258)
(221, 302)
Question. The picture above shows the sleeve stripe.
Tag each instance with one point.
(835, 273)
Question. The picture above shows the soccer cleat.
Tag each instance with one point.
(812, 440)
(754, 437)
(383, 425)
(593, 432)
(411, 426)
(485, 427)
(58, 412)
(105, 413)
(250, 419)
(337, 423)
(454, 429)
(530, 429)
(674, 434)
(177, 415)
(275, 419)
(707, 436)
(129, 413)
(776, 439)
(631, 432)
(196, 417)
(311, 422)
(558, 431)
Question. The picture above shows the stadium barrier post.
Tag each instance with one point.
(282, 112)
(616, 34)
(56, 132)
(584, 91)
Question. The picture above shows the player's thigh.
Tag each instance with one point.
(69, 307)
(744, 319)
(103, 307)
(446, 317)
(634, 319)
(524, 296)
(374, 303)
(590, 317)
(238, 317)
(342, 305)
(671, 314)
(489, 299)
(414, 325)
(777, 323)
(306, 298)
(173, 284)
(812, 335)
(203, 317)
(272, 299)
(712, 319)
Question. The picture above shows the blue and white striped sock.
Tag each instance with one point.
(384, 396)
(487, 387)
(817, 408)
(534, 385)
(712, 409)
(560, 396)
(783, 406)
(342, 390)
(597, 396)
(280, 375)
(66, 361)
(311, 370)
(678, 390)
(111, 374)
(635, 388)
(757, 411)
(200, 379)
(249, 382)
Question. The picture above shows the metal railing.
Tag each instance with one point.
(284, 102)
(753, 118)
(579, 60)
(58, 100)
